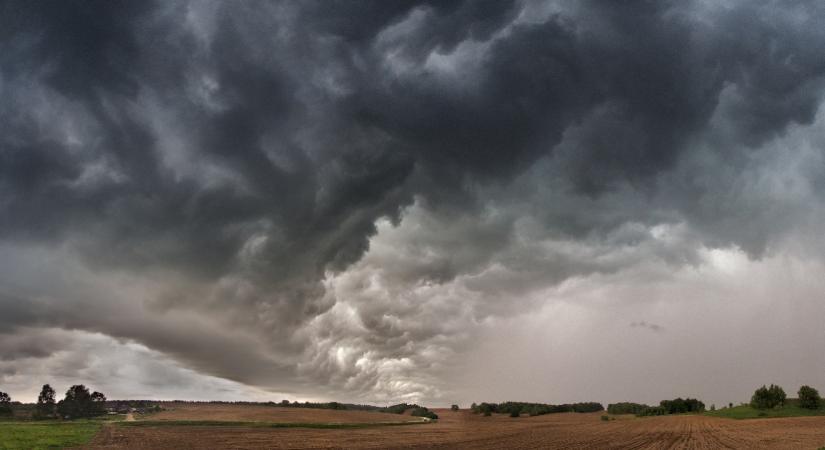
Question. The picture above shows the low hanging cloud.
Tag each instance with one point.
(338, 199)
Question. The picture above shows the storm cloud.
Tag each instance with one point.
(349, 200)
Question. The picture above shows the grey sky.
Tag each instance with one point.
(426, 201)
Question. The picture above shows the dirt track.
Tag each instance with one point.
(464, 430)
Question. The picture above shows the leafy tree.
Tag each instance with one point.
(768, 397)
(5, 404)
(80, 403)
(45, 403)
(98, 405)
(474, 408)
(809, 397)
(454, 407)
(515, 413)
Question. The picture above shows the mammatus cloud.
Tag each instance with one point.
(343, 200)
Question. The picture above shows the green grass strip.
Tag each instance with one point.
(746, 412)
(227, 423)
(46, 435)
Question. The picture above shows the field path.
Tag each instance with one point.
(130, 417)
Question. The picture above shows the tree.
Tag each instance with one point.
(98, 405)
(45, 403)
(768, 397)
(80, 403)
(809, 397)
(5, 404)
(454, 407)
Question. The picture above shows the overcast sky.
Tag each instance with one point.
(385, 201)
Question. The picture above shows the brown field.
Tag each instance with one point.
(467, 431)
(255, 413)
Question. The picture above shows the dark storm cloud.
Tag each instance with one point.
(238, 154)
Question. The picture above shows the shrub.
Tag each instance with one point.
(515, 413)
(488, 413)
(653, 411)
(423, 412)
(680, 405)
(768, 397)
(626, 408)
(809, 397)
(605, 418)
(454, 407)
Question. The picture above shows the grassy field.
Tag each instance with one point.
(46, 435)
(746, 412)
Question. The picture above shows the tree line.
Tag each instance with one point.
(766, 397)
(417, 410)
(516, 409)
(77, 403)
(676, 406)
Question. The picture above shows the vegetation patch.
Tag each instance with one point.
(790, 409)
(772, 402)
(232, 423)
(47, 435)
(516, 409)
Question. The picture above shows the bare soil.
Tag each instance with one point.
(463, 430)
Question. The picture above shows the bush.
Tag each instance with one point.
(605, 418)
(768, 397)
(454, 407)
(424, 412)
(515, 413)
(626, 408)
(653, 411)
(809, 397)
(680, 405)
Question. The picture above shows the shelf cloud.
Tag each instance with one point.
(365, 200)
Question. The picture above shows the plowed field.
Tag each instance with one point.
(467, 431)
